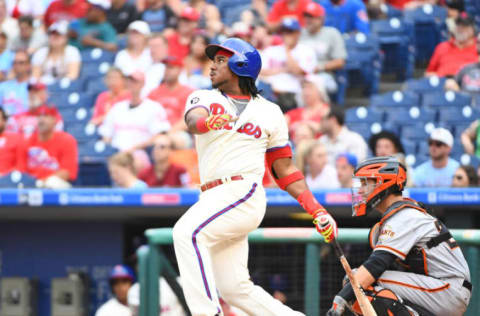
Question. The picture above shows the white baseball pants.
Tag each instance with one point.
(211, 247)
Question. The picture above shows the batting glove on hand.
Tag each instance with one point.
(218, 121)
(338, 307)
(326, 225)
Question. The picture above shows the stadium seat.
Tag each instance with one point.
(95, 151)
(266, 90)
(396, 41)
(419, 131)
(425, 85)
(363, 115)
(409, 146)
(394, 99)
(72, 99)
(364, 62)
(459, 128)
(390, 11)
(96, 86)
(231, 10)
(412, 115)
(466, 159)
(66, 85)
(93, 174)
(446, 99)
(429, 29)
(16, 179)
(454, 115)
(75, 115)
(82, 132)
(94, 70)
(97, 55)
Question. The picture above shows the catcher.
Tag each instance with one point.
(416, 267)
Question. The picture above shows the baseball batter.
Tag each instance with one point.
(236, 131)
(429, 271)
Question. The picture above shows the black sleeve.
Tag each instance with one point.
(378, 262)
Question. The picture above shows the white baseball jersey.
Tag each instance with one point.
(113, 308)
(239, 148)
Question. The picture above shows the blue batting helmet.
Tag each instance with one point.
(121, 271)
(245, 61)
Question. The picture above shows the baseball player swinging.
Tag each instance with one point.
(415, 261)
(236, 129)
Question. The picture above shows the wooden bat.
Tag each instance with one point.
(363, 302)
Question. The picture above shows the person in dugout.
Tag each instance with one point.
(121, 279)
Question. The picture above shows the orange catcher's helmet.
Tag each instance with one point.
(373, 180)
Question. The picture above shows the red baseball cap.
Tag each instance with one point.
(173, 61)
(47, 110)
(190, 13)
(36, 86)
(314, 9)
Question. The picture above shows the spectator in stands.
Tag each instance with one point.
(164, 173)
(209, 16)
(179, 40)
(171, 94)
(121, 14)
(10, 146)
(159, 15)
(117, 92)
(242, 30)
(345, 166)
(286, 9)
(29, 39)
(454, 9)
(122, 171)
(197, 64)
(58, 60)
(470, 139)
(14, 93)
(347, 16)
(450, 56)
(464, 177)
(94, 30)
(8, 25)
(468, 78)
(25, 123)
(315, 106)
(285, 65)
(327, 42)
(6, 57)
(133, 124)
(121, 280)
(386, 143)
(136, 57)
(319, 174)
(69, 10)
(339, 139)
(50, 155)
(18, 8)
(158, 50)
(438, 171)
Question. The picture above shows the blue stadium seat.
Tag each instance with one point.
(66, 85)
(363, 115)
(95, 151)
(394, 99)
(94, 70)
(364, 62)
(93, 174)
(454, 115)
(425, 85)
(363, 129)
(411, 115)
(397, 42)
(82, 132)
(75, 115)
(231, 10)
(16, 179)
(72, 99)
(429, 27)
(97, 55)
(419, 131)
(446, 99)
(466, 159)
(266, 90)
(410, 146)
(391, 11)
(459, 128)
(96, 86)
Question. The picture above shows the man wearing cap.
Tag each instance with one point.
(10, 146)
(50, 155)
(347, 16)
(136, 55)
(159, 16)
(121, 280)
(450, 56)
(94, 30)
(68, 10)
(179, 41)
(133, 124)
(14, 93)
(121, 14)
(438, 171)
(171, 93)
(285, 65)
(26, 123)
(345, 165)
(326, 41)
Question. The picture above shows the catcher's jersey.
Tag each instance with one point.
(410, 228)
(239, 148)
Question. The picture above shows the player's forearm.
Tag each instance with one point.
(467, 144)
(365, 279)
(334, 64)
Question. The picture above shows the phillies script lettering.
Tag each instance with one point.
(247, 128)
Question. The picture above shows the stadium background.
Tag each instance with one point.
(46, 234)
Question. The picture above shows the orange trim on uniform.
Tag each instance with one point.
(415, 287)
(392, 212)
(425, 265)
(392, 249)
(370, 235)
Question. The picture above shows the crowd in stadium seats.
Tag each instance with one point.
(92, 91)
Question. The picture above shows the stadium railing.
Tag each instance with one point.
(153, 263)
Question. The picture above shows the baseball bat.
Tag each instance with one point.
(363, 302)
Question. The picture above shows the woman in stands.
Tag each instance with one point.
(117, 91)
(58, 60)
(197, 64)
(122, 171)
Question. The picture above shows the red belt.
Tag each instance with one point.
(211, 184)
